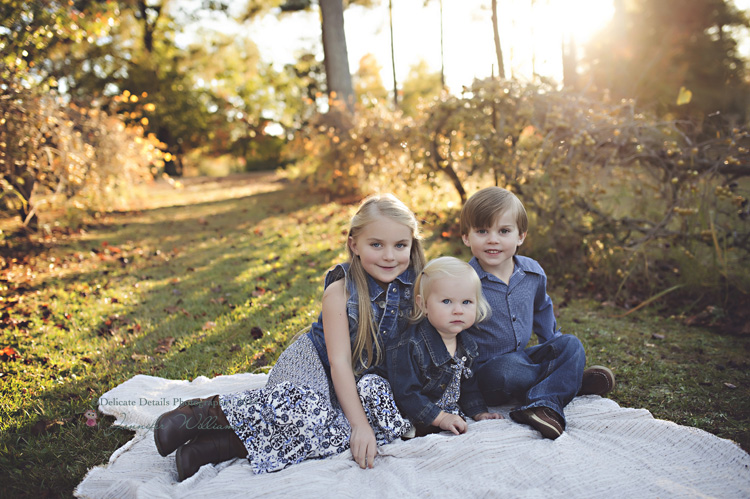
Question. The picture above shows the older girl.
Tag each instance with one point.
(315, 403)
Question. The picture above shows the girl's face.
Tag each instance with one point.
(451, 304)
(384, 248)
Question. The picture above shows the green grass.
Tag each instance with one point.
(175, 288)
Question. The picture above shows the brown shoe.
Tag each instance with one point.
(208, 448)
(543, 419)
(177, 426)
(597, 380)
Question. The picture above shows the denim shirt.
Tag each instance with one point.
(519, 308)
(390, 307)
(419, 371)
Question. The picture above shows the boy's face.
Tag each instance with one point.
(495, 246)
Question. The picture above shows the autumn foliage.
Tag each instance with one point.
(620, 201)
(57, 155)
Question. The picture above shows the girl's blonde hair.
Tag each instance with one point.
(448, 266)
(366, 350)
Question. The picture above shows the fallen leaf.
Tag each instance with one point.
(730, 386)
(657, 336)
(209, 325)
(235, 348)
(164, 345)
(8, 353)
(256, 332)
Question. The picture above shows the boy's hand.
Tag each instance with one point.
(488, 415)
(450, 422)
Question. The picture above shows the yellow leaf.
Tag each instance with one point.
(684, 97)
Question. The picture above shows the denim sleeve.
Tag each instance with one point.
(404, 375)
(471, 399)
(545, 324)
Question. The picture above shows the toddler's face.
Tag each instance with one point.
(451, 304)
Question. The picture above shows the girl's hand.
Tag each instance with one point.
(488, 415)
(450, 422)
(363, 445)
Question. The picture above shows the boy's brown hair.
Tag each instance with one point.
(482, 208)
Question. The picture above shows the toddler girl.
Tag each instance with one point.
(315, 403)
(430, 365)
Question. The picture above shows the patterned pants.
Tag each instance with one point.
(296, 416)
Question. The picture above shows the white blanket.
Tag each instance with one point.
(606, 451)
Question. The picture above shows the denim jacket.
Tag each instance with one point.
(419, 371)
(390, 309)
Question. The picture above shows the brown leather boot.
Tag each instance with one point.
(208, 447)
(177, 426)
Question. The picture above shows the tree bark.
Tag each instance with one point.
(498, 49)
(570, 63)
(338, 77)
(393, 56)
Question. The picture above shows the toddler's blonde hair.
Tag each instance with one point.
(448, 266)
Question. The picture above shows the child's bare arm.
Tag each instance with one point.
(336, 330)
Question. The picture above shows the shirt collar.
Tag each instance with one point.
(438, 353)
(406, 278)
(518, 265)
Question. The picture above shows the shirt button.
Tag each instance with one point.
(514, 318)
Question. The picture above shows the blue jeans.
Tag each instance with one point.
(546, 375)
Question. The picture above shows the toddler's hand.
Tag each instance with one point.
(450, 422)
(488, 415)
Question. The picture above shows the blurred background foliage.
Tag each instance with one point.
(634, 169)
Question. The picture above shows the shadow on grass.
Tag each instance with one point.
(175, 292)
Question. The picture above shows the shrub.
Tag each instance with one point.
(54, 154)
(621, 202)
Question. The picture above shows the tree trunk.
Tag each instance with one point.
(393, 56)
(498, 49)
(338, 77)
(570, 63)
(442, 54)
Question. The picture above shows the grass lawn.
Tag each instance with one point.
(216, 278)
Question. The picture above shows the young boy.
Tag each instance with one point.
(544, 377)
